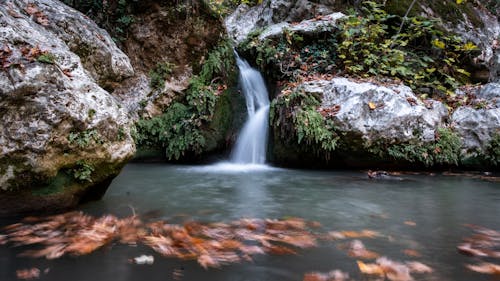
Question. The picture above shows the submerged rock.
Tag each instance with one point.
(63, 136)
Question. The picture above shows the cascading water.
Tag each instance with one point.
(251, 145)
(249, 153)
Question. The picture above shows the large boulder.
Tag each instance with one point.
(375, 112)
(63, 136)
(342, 122)
(479, 126)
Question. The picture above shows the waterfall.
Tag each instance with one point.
(251, 145)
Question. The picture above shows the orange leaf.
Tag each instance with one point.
(485, 267)
(372, 105)
(370, 268)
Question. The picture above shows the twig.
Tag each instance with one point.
(403, 21)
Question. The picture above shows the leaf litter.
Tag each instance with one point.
(484, 243)
(210, 244)
(221, 243)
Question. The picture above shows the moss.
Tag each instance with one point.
(221, 122)
(57, 185)
(444, 150)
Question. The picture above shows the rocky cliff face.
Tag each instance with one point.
(63, 137)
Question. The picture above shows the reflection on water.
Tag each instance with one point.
(437, 207)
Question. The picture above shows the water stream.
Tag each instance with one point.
(251, 145)
(439, 206)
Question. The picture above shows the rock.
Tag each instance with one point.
(306, 27)
(477, 126)
(63, 136)
(353, 124)
(377, 112)
(246, 19)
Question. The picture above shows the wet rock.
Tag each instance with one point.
(63, 137)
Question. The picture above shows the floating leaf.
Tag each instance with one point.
(485, 267)
(28, 274)
(372, 105)
(370, 268)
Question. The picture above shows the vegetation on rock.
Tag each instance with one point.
(180, 129)
(296, 119)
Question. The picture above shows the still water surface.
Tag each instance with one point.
(438, 205)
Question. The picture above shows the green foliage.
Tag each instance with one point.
(85, 138)
(421, 55)
(492, 150)
(46, 58)
(445, 150)
(176, 130)
(83, 171)
(158, 74)
(179, 129)
(113, 15)
(91, 113)
(219, 63)
(296, 119)
(222, 8)
(121, 134)
(291, 55)
(314, 129)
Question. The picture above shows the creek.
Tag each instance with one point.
(419, 212)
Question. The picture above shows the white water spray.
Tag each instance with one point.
(251, 145)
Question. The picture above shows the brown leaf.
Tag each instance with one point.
(411, 253)
(67, 72)
(357, 249)
(410, 223)
(31, 9)
(42, 19)
(28, 274)
(334, 275)
(370, 268)
(486, 268)
(418, 267)
(411, 101)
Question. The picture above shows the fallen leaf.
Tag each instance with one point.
(372, 105)
(394, 271)
(370, 268)
(412, 253)
(486, 268)
(410, 223)
(31, 9)
(357, 249)
(334, 275)
(42, 19)
(28, 274)
(418, 267)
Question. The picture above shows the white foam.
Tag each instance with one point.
(229, 167)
